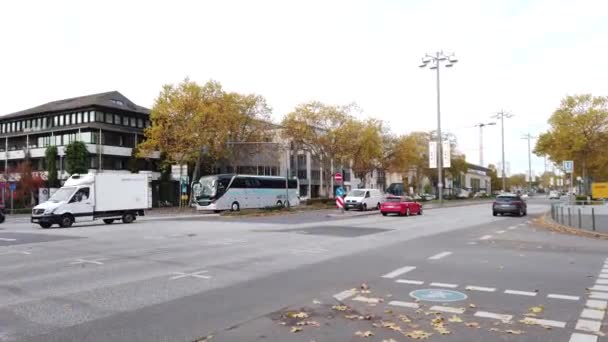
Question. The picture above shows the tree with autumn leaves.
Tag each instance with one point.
(579, 132)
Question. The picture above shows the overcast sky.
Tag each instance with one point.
(520, 56)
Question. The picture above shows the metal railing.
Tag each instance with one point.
(589, 216)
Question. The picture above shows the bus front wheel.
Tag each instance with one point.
(235, 206)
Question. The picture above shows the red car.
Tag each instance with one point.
(400, 205)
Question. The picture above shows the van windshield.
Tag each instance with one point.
(357, 193)
(63, 194)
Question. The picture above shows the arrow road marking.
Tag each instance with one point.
(198, 275)
(85, 261)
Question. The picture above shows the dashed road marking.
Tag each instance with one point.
(546, 322)
(602, 281)
(345, 294)
(565, 297)
(480, 288)
(586, 325)
(399, 272)
(521, 293)
(198, 275)
(411, 282)
(512, 227)
(598, 295)
(501, 231)
(485, 237)
(603, 276)
(451, 286)
(597, 304)
(440, 255)
(15, 252)
(7, 239)
(502, 317)
(593, 314)
(298, 251)
(404, 304)
(86, 261)
(448, 309)
(576, 337)
(471, 243)
(367, 300)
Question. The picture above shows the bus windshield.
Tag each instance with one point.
(207, 187)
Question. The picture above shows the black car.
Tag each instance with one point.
(1, 215)
(509, 204)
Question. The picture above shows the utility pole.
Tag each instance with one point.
(481, 126)
(502, 115)
(529, 137)
(435, 62)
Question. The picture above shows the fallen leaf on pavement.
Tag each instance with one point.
(315, 301)
(418, 334)
(389, 340)
(340, 307)
(391, 325)
(472, 325)
(537, 309)
(404, 319)
(309, 323)
(528, 321)
(295, 329)
(388, 312)
(351, 316)
(283, 323)
(514, 332)
(472, 305)
(455, 319)
(364, 333)
(494, 329)
(298, 315)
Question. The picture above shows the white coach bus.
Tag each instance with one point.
(236, 192)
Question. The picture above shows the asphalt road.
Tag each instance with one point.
(251, 279)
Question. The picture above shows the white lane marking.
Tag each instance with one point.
(599, 288)
(521, 293)
(471, 243)
(86, 261)
(586, 325)
(297, 251)
(546, 322)
(559, 296)
(7, 239)
(485, 237)
(15, 252)
(604, 276)
(439, 256)
(404, 304)
(368, 300)
(345, 294)
(598, 295)
(602, 281)
(521, 224)
(451, 286)
(448, 309)
(198, 274)
(484, 314)
(411, 282)
(399, 272)
(593, 314)
(480, 288)
(501, 231)
(597, 304)
(576, 337)
(512, 227)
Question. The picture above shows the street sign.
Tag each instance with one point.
(12, 186)
(338, 177)
(432, 154)
(436, 295)
(568, 166)
(340, 192)
(339, 202)
(447, 159)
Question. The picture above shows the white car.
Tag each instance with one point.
(363, 199)
(553, 195)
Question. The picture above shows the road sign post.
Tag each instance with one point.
(340, 198)
(568, 166)
(12, 188)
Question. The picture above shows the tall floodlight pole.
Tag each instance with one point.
(529, 137)
(502, 115)
(481, 126)
(435, 64)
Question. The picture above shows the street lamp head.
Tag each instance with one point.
(426, 60)
(422, 65)
(449, 65)
(453, 60)
(491, 124)
(433, 67)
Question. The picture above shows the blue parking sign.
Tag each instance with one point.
(340, 191)
(12, 186)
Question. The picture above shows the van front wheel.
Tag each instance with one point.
(128, 218)
(66, 221)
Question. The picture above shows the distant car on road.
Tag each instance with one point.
(400, 205)
(553, 195)
(363, 199)
(509, 204)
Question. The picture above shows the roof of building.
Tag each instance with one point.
(111, 99)
(477, 167)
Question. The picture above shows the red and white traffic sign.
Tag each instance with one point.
(339, 202)
(338, 177)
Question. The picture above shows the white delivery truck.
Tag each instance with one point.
(107, 196)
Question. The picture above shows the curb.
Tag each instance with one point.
(546, 222)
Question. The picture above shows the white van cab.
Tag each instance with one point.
(363, 199)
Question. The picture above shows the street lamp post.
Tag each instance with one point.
(435, 62)
(481, 126)
(529, 137)
(502, 115)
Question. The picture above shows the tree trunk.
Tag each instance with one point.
(195, 175)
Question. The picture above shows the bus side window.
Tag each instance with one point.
(238, 183)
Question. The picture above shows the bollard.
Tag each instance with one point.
(569, 218)
(580, 224)
(593, 218)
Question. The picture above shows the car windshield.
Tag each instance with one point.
(63, 194)
(393, 199)
(357, 193)
(506, 198)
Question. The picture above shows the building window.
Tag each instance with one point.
(133, 123)
(85, 117)
(118, 102)
(109, 118)
(3, 127)
(74, 119)
(60, 120)
(92, 116)
(116, 119)
(18, 126)
(140, 123)
(125, 121)
(55, 121)
(79, 118)
(99, 116)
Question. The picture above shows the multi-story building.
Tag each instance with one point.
(109, 124)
